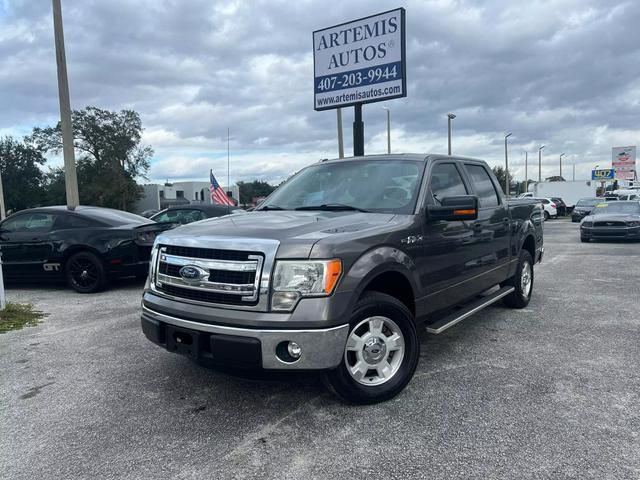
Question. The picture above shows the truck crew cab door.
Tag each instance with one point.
(491, 229)
(449, 246)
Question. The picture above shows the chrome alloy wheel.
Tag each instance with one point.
(374, 351)
(526, 278)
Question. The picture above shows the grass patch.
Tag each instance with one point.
(19, 315)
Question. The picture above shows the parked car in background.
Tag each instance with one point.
(560, 206)
(84, 246)
(183, 214)
(615, 220)
(549, 206)
(583, 208)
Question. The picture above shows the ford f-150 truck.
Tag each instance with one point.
(337, 269)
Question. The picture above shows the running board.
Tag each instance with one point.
(450, 320)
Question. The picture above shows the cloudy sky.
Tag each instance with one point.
(564, 73)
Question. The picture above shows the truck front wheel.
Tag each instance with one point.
(381, 353)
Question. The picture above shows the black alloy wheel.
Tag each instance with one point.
(85, 273)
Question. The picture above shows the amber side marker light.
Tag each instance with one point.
(464, 212)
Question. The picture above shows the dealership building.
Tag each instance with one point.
(157, 197)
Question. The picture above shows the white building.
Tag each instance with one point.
(157, 197)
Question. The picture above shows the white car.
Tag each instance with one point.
(550, 209)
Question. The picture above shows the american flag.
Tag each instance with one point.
(218, 195)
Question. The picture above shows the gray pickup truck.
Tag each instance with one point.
(337, 269)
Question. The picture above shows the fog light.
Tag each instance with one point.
(294, 350)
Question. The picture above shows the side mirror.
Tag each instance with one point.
(463, 207)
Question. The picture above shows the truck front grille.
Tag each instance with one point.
(212, 276)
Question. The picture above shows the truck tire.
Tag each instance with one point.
(546, 215)
(522, 281)
(381, 353)
(85, 273)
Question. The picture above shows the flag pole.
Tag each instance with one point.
(228, 175)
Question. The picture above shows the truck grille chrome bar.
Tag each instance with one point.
(201, 273)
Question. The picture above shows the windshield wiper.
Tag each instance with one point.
(332, 207)
(271, 207)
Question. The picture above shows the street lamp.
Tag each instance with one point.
(506, 166)
(561, 155)
(450, 116)
(540, 163)
(388, 129)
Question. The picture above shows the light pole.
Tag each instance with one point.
(540, 163)
(526, 175)
(561, 155)
(506, 166)
(574, 171)
(450, 116)
(388, 129)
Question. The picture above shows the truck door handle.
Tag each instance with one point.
(477, 227)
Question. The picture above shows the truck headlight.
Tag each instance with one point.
(294, 279)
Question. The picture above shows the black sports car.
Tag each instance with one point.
(183, 214)
(86, 246)
(617, 219)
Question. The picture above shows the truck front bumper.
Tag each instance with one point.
(250, 348)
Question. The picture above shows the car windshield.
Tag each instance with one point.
(113, 217)
(383, 186)
(618, 207)
(588, 202)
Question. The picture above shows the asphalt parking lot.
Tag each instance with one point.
(551, 391)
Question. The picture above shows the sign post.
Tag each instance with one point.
(360, 62)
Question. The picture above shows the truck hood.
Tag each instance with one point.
(297, 231)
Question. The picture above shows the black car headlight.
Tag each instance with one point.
(586, 224)
(633, 224)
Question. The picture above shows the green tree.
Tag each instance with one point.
(257, 188)
(21, 175)
(109, 152)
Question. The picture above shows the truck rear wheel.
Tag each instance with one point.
(522, 281)
(381, 353)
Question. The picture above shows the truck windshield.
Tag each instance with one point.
(381, 186)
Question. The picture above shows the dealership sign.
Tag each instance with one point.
(360, 61)
(623, 161)
(602, 174)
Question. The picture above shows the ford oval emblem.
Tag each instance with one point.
(193, 273)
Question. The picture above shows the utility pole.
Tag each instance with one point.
(340, 139)
(561, 155)
(506, 166)
(450, 116)
(540, 163)
(3, 213)
(70, 177)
